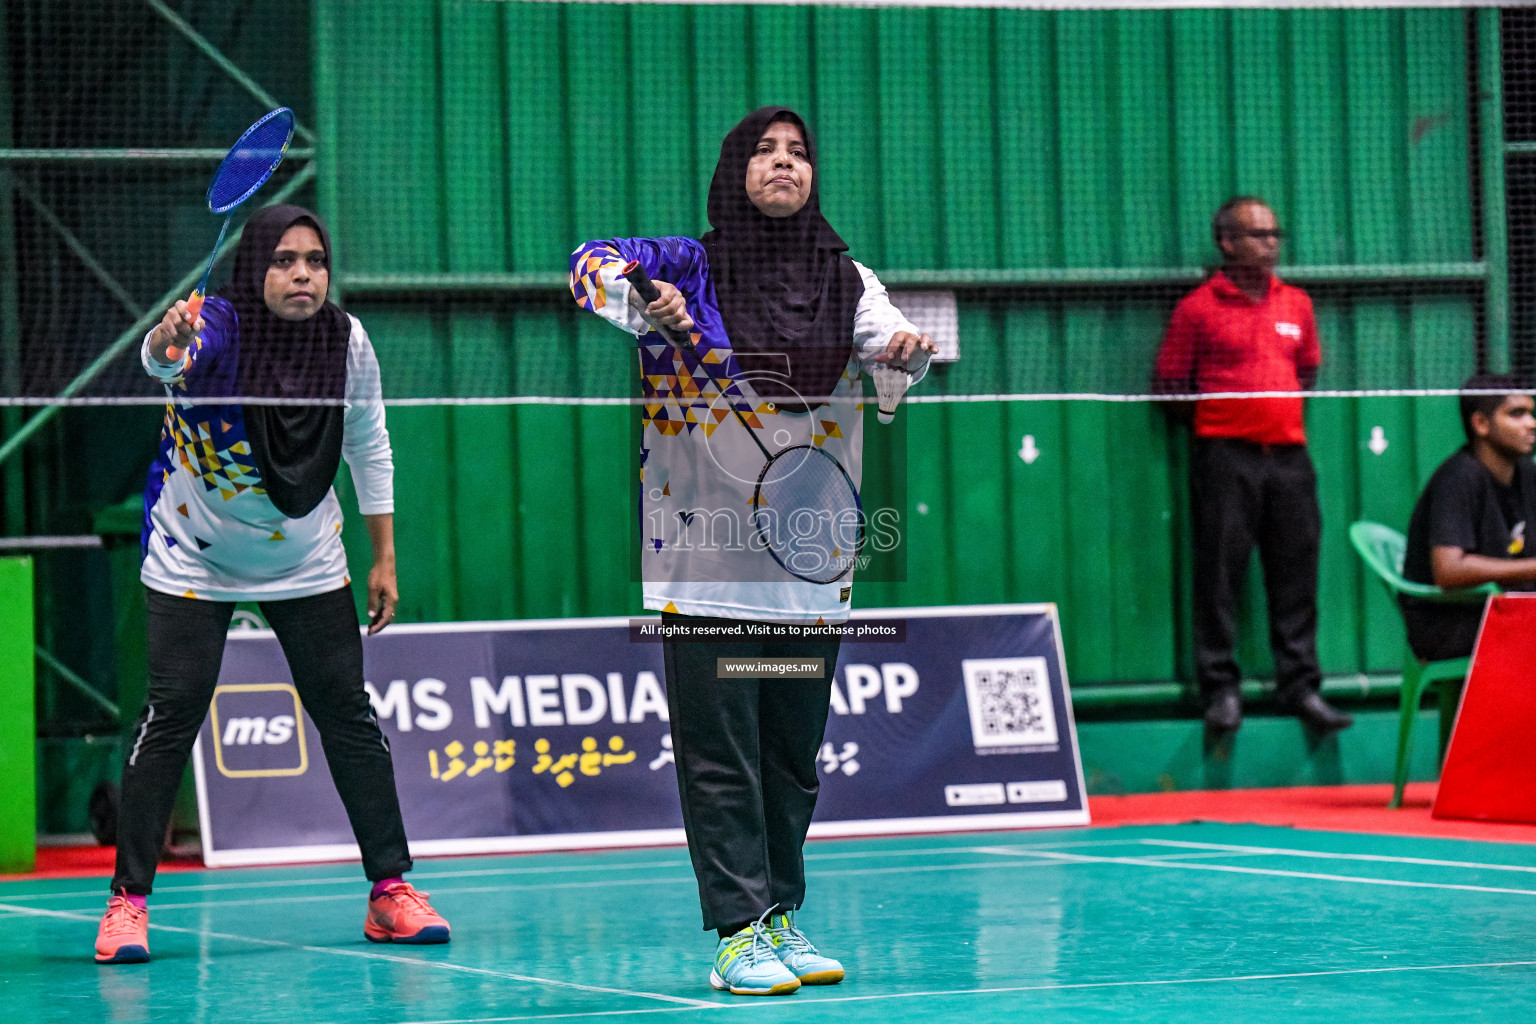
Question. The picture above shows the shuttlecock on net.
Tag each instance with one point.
(892, 380)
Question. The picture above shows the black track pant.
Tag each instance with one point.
(1245, 494)
(320, 639)
(746, 768)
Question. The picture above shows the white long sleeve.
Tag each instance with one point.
(365, 440)
(875, 320)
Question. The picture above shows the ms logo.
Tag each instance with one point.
(258, 731)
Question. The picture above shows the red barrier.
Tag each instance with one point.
(1490, 767)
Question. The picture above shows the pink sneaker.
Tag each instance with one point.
(401, 914)
(123, 937)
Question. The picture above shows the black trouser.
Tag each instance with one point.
(1245, 494)
(746, 768)
(320, 639)
(1439, 632)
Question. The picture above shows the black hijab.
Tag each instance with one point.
(297, 448)
(784, 285)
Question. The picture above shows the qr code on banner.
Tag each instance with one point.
(1010, 702)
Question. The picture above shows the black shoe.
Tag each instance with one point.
(1316, 713)
(1224, 712)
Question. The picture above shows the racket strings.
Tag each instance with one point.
(809, 515)
(805, 507)
(250, 161)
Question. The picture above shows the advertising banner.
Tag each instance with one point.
(552, 734)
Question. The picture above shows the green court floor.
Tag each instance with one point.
(1189, 923)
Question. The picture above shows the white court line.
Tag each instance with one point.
(1039, 857)
(1002, 990)
(369, 955)
(427, 877)
(920, 850)
(1205, 856)
(1009, 851)
(1020, 850)
(1046, 851)
(438, 892)
(986, 865)
(441, 892)
(1322, 855)
(1150, 862)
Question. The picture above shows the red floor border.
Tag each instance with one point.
(1322, 808)
(86, 862)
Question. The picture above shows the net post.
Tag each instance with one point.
(1490, 91)
(13, 513)
(18, 725)
(322, 27)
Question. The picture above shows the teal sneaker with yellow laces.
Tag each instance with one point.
(746, 964)
(797, 954)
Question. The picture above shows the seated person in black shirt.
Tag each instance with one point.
(1471, 523)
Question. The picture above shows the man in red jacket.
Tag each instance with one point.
(1251, 480)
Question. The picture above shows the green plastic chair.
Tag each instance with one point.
(1381, 548)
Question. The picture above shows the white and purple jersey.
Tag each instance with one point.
(698, 466)
(210, 531)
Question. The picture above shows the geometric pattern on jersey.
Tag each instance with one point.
(677, 388)
(588, 273)
(673, 384)
(213, 449)
(831, 428)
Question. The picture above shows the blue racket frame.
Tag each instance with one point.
(245, 161)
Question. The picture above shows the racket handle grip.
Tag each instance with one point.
(195, 307)
(635, 274)
(641, 282)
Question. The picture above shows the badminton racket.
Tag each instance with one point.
(244, 169)
(805, 507)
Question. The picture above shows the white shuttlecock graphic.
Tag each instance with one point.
(892, 380)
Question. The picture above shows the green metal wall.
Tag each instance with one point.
(1070, 159)
(18, 770)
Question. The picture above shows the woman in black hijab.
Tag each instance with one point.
(267, 391)
(783, 325)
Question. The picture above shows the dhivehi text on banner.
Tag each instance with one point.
(552, 734)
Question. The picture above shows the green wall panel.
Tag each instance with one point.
(492, 138)
(951, 137)
(18, 723)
